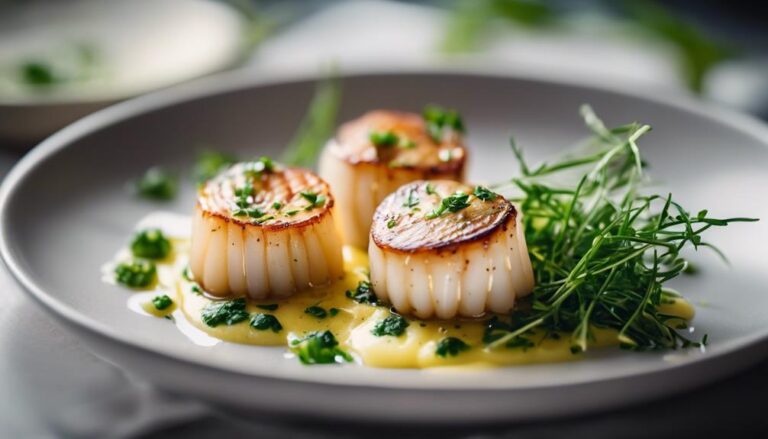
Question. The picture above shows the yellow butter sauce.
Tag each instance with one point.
(353, 322)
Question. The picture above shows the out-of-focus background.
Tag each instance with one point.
(63, 59)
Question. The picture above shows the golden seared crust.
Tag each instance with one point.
(279, 198)
(415, 149)
(409, 220)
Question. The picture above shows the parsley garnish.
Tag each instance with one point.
(263, 322)
(291, 212)
(319, 348)
(268, 306)
(333, 312)
(316, 311)
(363, 293)
(315, 199)
(451, 346)
(430, 189)
(383, 139)
(162, 302)
(157, 184)
(452, 203)
(439, 121)
(412, 200)
(277, 205)
(224, 312)
(393, 325)
(137, 273)
(251, 212)
(150, 244)
(484, 194)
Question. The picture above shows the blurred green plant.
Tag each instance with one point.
(317, 126)
(469, 20)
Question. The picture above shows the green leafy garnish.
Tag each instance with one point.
(210, 163)
(451, 346)
(383, 139)
(251, 212)
(150, 244)
(316, 311)
(363, 293)
(291, 212)
(263, 322)
(268, 306)
(393, 325)
(314, 199)
(484, 193)
(440, 121)
(412, 200)
(277, 205)
(333, 312)
(162, 302)
(158, 184)
(603, 248)
(391, 223)
(138, 273)
(38, 73)
(226, 312)
(452, 203)
(430, 189)
(317, 126)
(319, 348)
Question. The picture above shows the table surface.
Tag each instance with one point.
(54, 387)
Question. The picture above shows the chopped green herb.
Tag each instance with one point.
(451, 346)
(412, 200)
(263, 322)
(314, 199)
(316, 311)
(157, 184)
(430, 189)
(333, 312)
(252, 212)
(440, 120)
(224, 312)
(484, 193)
(210, 163)
(393, 325)
(277, 205)
(363, 293)
(186, 273)
(383, 139)
(195, 288)
(391, 223)
(138, 273)
(263, 165)
(243, 194)
(264, 219)
(291, 212)
(319, 348)
(38, 73)
(162, 302)
(150, 244)
(452, 203)
(268, 306)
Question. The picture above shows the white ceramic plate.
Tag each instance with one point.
(64, 210)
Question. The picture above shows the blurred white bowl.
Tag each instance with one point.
(109, 50)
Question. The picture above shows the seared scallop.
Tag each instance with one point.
(372, 156)
(261, 230)
(444, 249)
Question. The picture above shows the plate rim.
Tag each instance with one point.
(242, 79)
